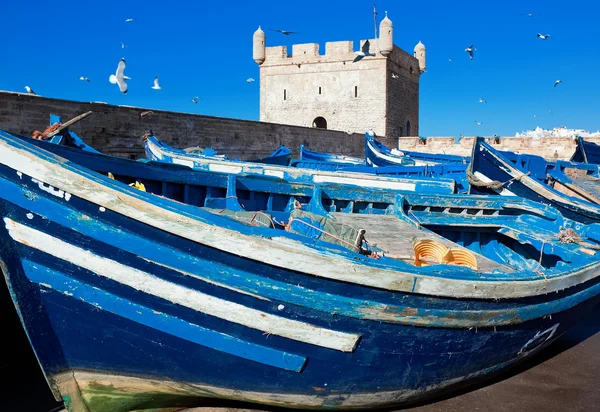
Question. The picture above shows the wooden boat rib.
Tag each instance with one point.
(134, 299)
(491, 171)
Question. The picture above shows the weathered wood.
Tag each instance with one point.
(396, 238)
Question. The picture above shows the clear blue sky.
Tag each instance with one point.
(205, 49)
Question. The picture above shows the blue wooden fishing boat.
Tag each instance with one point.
(158, 150)
(162, 285)
(455, 171)
(280, 156)
(60, 134)
(311, 155)
(586, 152)
(572, 188)
(378, 155)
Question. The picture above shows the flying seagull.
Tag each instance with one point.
(450, 60)
(122, 45)
(556, 82)
(249, 79)
(29, 90)
(394, 76)
(156, 85)
(146, 113)
(195, 99)
(470, 50)
(285, 32)
(478, 122)
(481, 100)
(119, 77)
(85, 79)
(543, 36)
(129, 20)
(530, 14)
(364, 51)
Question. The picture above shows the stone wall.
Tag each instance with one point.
(550, 148)
(350, 95)
(116, 130)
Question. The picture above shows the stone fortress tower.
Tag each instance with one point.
(333, 91)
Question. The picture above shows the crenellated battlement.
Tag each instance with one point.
(310, 52)
(339, 87)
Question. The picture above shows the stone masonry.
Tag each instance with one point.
(335, 91)
(116, 130)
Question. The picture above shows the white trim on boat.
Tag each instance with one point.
(180, 295)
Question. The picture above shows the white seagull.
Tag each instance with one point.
(556, 82)
(129, 20)
(29, 90)
(85, 79)
(119, 77)
(470, 50)
(249, 79)
(364, 51)
(122, 45)
(394, 76)
(195, 99)
(481, 100)
(543, 36)
(478, 122)
(156, 85)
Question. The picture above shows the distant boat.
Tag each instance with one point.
(455, 171)
(586, 152)
(280, 156)
(311, 155)
(157, 150)
(60, 133)
(572, 188)
(158, 286)
(377, 155)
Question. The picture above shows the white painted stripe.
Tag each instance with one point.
(172, 292)
(215, 167)
(409, 187)
(183, 162)
(485, 179)
(274, 173)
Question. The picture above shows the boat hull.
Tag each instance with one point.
(132, 301)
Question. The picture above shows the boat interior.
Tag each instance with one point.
(488, 234)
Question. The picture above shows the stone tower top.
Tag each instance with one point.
(386, 36)
(420, 54)
(259, 46)
(340, 88)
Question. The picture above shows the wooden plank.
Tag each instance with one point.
(396, 237)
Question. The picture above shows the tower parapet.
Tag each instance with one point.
(420, 55)
(259, 46)
(386, 36)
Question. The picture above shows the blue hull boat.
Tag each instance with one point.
(378, 155)
(455, 171)
(310, 155)
(586, 152)
(156, 150)
(280, 156)
(163, 285)
(572, 188)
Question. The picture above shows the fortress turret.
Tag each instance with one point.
(259, 46)
(386, 36)
(420, 55)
